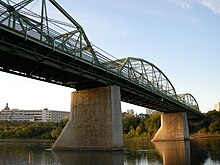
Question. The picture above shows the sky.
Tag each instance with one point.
(181, 37)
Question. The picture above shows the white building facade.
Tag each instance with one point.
(217, 106)
(32, 115)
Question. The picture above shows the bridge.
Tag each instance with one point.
(35, 45)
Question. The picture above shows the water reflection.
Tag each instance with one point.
(141, 152)
(174, 152)
(91, 157)
(17, 153)
(205, 151)
(195, 152)
(137, 152)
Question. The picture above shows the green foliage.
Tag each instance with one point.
(36, 130)
(55, 132)
(152, 124)
(212, 124)
(213, 115)
(129, 120)
(137, 127)
(63, 122)
(202, 131)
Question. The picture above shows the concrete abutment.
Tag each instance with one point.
(95, 121)
(174, 126)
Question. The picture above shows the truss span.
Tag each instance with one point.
(189, 100)
(145, 73)
(63, 44)
(150, 76)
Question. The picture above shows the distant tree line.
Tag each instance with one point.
(211, 125)
(138, 126)
(35, 130)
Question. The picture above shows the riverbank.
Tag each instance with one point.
(26, 140)
(194, 136)
(126, 139)
(204, 136)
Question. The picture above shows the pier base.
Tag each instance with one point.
(95, 121)
(174, 126)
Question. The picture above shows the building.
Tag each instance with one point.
(149, 111)
(217, 106)
(32, 115)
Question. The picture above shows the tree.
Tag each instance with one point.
(55, 133)
(214, 126)
(63, 122)
(135, 126)
(130, 120)
(152, 124)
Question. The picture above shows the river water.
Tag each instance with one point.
(137, 152)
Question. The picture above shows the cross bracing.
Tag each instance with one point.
(64, 44)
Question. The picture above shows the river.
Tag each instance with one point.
(204, 151)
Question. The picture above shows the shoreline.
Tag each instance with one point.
(190, 137)
(203, 136)
(26, 140)
(143, 138)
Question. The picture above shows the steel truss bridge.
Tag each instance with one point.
(37, 46)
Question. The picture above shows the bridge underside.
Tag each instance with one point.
(29, 58)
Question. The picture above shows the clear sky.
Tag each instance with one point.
(181, 37)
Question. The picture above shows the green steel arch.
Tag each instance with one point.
(146, 73)
(150, 76)
(189, 100)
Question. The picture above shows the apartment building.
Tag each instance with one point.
(32, 115)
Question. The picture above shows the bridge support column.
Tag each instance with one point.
(174, 126)
(95, 121)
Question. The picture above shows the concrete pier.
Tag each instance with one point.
(95, 121)
(174, 126)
